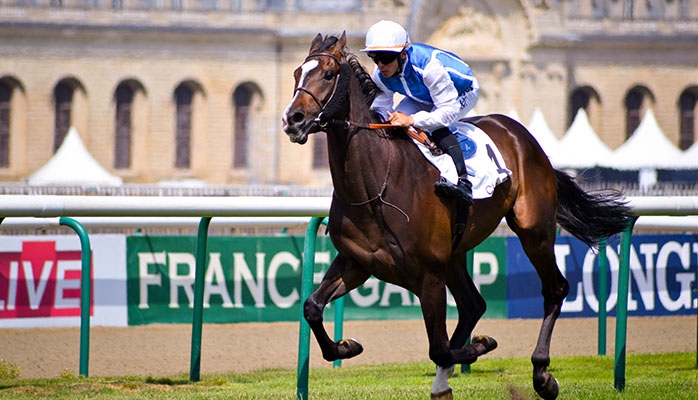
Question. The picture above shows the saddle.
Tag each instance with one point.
(485, 165)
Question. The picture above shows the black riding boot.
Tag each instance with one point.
(449, 144)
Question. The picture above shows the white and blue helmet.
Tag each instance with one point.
(386, 36)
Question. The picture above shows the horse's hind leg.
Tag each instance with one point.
(342, 277)
(538, 242)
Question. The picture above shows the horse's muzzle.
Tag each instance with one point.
(297, 127)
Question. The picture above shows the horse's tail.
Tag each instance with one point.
(589, 216)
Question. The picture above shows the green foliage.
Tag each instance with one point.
(8, 370)
(660, 376)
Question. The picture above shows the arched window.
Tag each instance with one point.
(242, 100)
(320, 158)
(587, 98)
(687, 117)
(63, 101)
(122, 126)
(183, 101)
(247, 99)
(637, 101)
(5, 109)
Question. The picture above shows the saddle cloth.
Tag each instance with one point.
(484, 162)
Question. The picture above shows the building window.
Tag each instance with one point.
(208, 5)
(183, 100)
(587, 98)
(628, 9)
(63, 100)
(123, 126)
(687, 117)
(637, 101)
(242, 100)
(578, 99)
(684, 9)
(5, 103)
(600, 8)
(320, 159)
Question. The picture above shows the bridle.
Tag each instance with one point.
(323, 121)
(320, 118)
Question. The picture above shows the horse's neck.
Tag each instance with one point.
(359, 164)
(360, 159)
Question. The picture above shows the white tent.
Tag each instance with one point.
(73, 165)
(580, 147)
(545, 137)
(689, 158)
(647, 148)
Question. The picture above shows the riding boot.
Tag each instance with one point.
(464, 189)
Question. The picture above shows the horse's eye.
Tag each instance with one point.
(329, 75)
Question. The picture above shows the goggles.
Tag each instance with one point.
(384, 57)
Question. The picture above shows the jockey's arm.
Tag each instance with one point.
(383, 103)
(445, 96)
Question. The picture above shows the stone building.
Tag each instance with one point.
(194, 89)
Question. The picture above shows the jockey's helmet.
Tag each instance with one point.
(386, 36)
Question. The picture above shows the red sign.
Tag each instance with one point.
(40, 282)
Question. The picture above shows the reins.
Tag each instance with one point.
(412, 131)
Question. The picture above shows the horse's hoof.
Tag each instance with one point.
(348, 348)
(487, 341)
(445, 395)
(550, 389)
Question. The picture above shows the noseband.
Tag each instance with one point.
(321, 119)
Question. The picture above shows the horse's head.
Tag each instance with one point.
(318, 88)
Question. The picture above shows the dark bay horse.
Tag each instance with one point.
(387, 221)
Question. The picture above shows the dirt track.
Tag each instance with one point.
(159, 350)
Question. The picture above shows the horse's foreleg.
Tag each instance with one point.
(432, 298)
(341, 277)
(470, 303)
(471, 306)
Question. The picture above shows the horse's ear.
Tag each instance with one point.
(338, 48)
(342, 41)
(315, 45)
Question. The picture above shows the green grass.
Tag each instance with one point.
(661, 376)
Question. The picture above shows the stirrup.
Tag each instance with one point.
(462, 191)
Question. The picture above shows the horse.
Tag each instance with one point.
(387, 221)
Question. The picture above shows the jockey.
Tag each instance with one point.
(439, 89)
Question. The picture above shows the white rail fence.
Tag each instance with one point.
(654, 213)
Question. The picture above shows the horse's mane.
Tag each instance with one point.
(368, 88)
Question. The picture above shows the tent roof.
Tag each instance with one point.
(544, 135)
(689, 159)
(647, 148)
(581, 147)
(73, 165)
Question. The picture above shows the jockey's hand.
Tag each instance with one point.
(400, 119)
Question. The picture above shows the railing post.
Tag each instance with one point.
(85, 291)
(603, 296)
(198, 314)
(469, 260)
(306, 288)
(622, 309)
